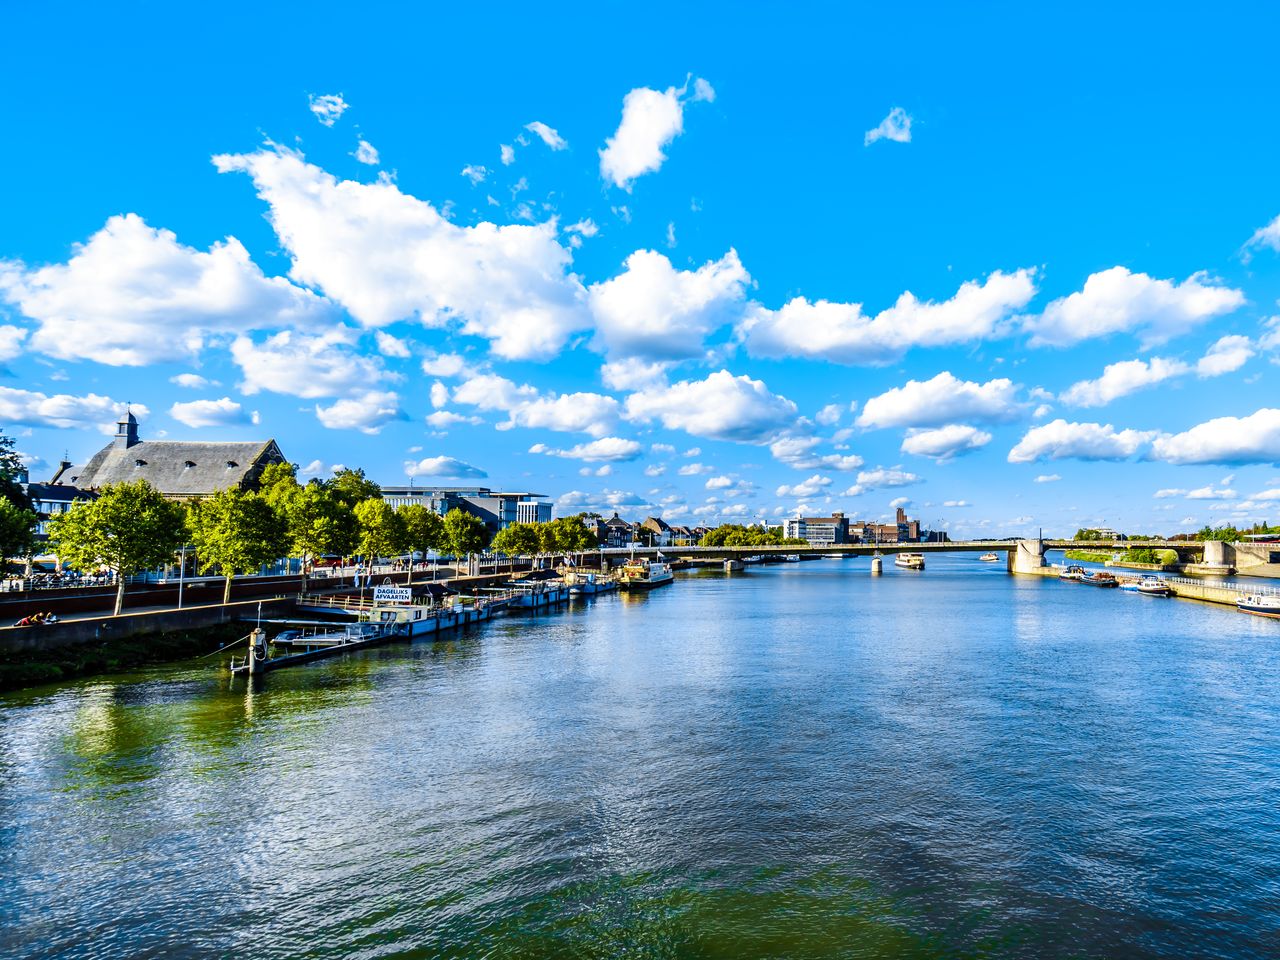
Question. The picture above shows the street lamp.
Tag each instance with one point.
(182, 573)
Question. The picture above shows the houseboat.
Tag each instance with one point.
(1099, 578)
(912, 561)
(1074, 573)
(1260, 605)
(644, 575)
(988, 558)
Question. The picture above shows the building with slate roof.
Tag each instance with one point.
(180, 469)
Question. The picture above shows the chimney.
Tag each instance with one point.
(902, 515)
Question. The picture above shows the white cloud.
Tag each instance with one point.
(367, 154)
(650, 121)
(842, 333)
(1266, 236)
(720, 407)
(605, 471)
(585, 228)
(387, 256)
(634, 373)
(508, 154)
(390, 346)
(210, 413)
(439, 395)
(805, 488)
(943, 443)
(11, 337)
(880, 478)
(1209, 493)
(799, 453)
(1226, 440)
(189, 381)
(447, 365)
(549, 136)
(133, 295)
(1169, 492)
(1227, 355)
(692, 452)
(899, 502)
(702, 91)
(1121, 379)
(1048, 478)
(591, 413)
(442, 467)
(291, 363)
(944, 399)
(896, 127)
(28, 408)
(606, 449)
(1116, 300)
(652, 310)
(475, 172)
(694, 469)
(718, 483)
(830, 414)
(1061, 440)
(328, 107)
(367, 412)
(655, 470)
(443, 419)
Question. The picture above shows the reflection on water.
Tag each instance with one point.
(799, 761)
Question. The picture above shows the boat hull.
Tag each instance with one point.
(1258, 610)
(639, 586)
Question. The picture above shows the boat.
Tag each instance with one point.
(1073, 572)
(589, 584)
(1129, 584)
(538, 594)
(1260, 605)
(988, 558)
(791, 558)
(1098, 578)
(1154, 587)
(912, 561)
(644, 575)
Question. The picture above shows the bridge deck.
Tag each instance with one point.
(866, 549)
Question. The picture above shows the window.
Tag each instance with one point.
(231, 464)
(189, 464)
(139, 463)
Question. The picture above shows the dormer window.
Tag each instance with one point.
(231, 464)
(139, 463)
(189, 464)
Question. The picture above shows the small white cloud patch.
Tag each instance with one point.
(896, 127)
(328, 107)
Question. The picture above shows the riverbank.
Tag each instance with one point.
(19, 669)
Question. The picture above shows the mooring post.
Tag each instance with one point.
(257, 650)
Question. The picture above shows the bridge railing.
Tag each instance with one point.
(1242, 588)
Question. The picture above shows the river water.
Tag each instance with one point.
(798, 761)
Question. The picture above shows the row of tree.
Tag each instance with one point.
(565, 535)
(736, 535)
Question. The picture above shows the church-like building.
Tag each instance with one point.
(180, 469)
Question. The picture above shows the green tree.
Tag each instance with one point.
(381, 532)
(423, 530)
(236, 532)
(352, 487)
(129, 528)
(17, 532)
(519, 540)
(317, 522)
(572, 535)
(11, 469)
(465, 534)
(1086, 534)
(278, 482)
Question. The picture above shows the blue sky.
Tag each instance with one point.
(1018, 267)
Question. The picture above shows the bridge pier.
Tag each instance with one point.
(1027, 557)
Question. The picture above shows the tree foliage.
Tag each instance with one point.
(423, 530)
(17, 532)
(465, 534)
(129, 528)
(518, 540)
(567, 535)
(11, 469)
(352, 487)
(236, 532)
(317, 521)
(381, 532)
(736, 535)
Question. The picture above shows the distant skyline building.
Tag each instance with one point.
(497, 509)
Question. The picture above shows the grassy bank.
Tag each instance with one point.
(18, 670)
(1087, 556)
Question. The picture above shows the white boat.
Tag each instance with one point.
(644, 575)
(538, 594)
(988, 558)
(912, 561)
(1260, 605)
(791, 558)
(589, 584)
(1154, 587)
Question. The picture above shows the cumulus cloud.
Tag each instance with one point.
(1225, 440)
(694, 469)
(328, 107)
(11, 337)
(880, 478)
(634, 373)
(718, 483)
(842, 333)
(447, 365)
(367, 154)
(1227, 355)
(1266, 236)
(896, 127)
(805, 488)
(1048, 478)
(1117, 300)
(944, 443)
(943, 399)
(443, 467)
(1121, 379)
(508, 154)
(211, 413)
(386, 256)
(28, 408)
(606, 449)
(189, 381)
(800, 453)
(475, 172)
(367, 412)
(654, 311)
(1062, 440)
(390, 346)
(326, 365)
(650, 121)
(547, 134)
(133, 295)
(525, 406)
(720, 407)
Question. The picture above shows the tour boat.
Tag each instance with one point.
(644, 575)
(912, 561)
(1072, 572)
(1098, 578)
(1154, 587)
(1260, 605)
(988, 558)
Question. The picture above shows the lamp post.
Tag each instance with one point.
(182, 573)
